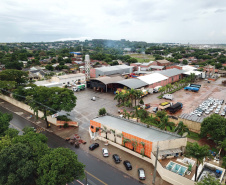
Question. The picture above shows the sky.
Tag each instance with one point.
(154, 21)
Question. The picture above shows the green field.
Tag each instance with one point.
(142, 58)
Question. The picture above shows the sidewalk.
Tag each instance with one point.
(69, 132)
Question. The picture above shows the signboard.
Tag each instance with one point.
(55, 115)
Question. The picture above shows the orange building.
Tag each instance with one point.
(136, 136)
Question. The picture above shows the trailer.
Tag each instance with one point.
(175, 107)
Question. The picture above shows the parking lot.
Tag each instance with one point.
(192, 100)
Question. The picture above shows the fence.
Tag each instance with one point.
(27, 108)
(70, 123)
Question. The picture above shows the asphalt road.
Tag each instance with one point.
(98, 172)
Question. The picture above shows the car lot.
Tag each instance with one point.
(210, 106)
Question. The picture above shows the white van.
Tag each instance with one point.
(156, 89)
(168, 96)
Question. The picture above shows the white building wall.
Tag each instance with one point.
(169, 144)
(70, 79)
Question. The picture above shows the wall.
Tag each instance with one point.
(170, 144)
(70, 123)
(171, 67)
(94, 124)
(148, 144)
(27, 108)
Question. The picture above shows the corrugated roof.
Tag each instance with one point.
(107, 80)
(152, 78)
(113, 68)
(150, 134)
(171, 72)
(157, 67)
(133, 83)
(71, 76)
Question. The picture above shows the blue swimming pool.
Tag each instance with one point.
(176, 168)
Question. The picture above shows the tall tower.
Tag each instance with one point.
(87, 67)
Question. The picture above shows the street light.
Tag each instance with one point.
(154, 175)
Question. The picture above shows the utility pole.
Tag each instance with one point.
(154, 175)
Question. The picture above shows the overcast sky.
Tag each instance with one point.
(194, 21)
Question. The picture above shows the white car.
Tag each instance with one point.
(105, 152)
(211, 109)
(223, 113)
(217, 111)
(207, 112)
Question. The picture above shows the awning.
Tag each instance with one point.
(171, 151)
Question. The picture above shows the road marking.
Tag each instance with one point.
(96, 178)
(15, 127)
(79, 182)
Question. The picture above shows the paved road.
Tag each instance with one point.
(98, 172)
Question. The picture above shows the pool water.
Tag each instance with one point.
(176, 168)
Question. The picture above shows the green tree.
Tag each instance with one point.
(60, 166)
(161, 114)
(5, 118)
(11, 132)
(214, 127)
(209, 180)
(164, 123)
(7, 85)
(105, 130)
(50, 100)
(17, 166)
(185, 62)
(18, 76)
(134, 144)
(102, 111)
(181, 128)
(198, 152)
(114, 133)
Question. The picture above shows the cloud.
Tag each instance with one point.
(147, 20)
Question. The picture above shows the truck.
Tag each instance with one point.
(168, 96)
(79, 87)
(193, 87)
(164, 105)
(175, 107)
(156, 89)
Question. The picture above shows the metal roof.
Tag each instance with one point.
(171, 72)
(113, 68)
(151, 134)
(133, 83)
(107, 80)
(157, 67)
(152, 78)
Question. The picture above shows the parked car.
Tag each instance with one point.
(223, 113)
(93, 146)
(116, 158)
(105, 152)
(155, 109)
(128, 165)
(141, 174)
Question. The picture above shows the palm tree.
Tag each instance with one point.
(170, 87)
(198, 152)
(162, 89)
(132, 95)
(137, 95)
(167, 88)
(134, 144)
(143, 144)
(118, 97)
(113, 132)
(164, 123)
(125, 140)
(181, 128)
(105, 130)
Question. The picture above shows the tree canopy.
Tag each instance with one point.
(17, 76)
(5, 118)
(209, 180)
(214, 127)
(60, 166)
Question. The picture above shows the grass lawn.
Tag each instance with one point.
(194, 136)
(143, 57)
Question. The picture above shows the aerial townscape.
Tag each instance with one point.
(83, 101)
